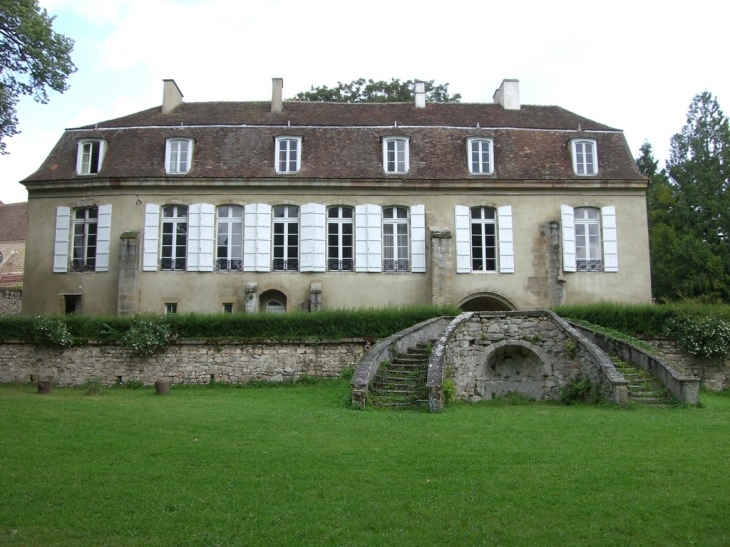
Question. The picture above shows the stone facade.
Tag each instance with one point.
(493, 354)
(714, 373)
(188, 361)
(10, 302)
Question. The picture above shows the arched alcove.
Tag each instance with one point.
(486, 301)
(272, 301)
(515, 366)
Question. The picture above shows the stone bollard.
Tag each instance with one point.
(44, 387)
(162, 387)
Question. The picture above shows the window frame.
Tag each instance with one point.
(168, 155)
(80, 156)
(286, 263)
(88, 263)
(278, 150)
(177, 263)
(483, 247)
(400, 263)
(406, 154)
(231, 263)
(470, 141)
(340, 263)
(574, 149)
(589, 263)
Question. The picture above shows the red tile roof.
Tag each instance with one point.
(13, 221)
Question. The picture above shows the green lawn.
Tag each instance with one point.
(291, 466)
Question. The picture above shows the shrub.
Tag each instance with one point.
(146, 337)
(580, 390)
(94, 386)
(704, 336)
(52, 330)
(449, 390)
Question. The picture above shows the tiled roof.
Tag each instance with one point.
(13, 221)
(343, 141)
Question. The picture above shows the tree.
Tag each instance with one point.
(370, 91)
(33, 59)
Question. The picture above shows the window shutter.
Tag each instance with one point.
(463, 250)
(151, 237)
(610, 241)
(418, 238)
(312, 243)
(368, 238)
(506, 245)
(103, 237)
(60, 249)
(193, 262)
(257, 238)
(207, 237)
(566, 215)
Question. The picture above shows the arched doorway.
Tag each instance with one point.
(272, 301)
(486, 301)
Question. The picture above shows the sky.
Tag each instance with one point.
(633, 65)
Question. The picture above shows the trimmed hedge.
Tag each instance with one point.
(329, 324)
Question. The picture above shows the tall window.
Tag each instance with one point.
(395, 239)
(480, 156)
(585, 160)
(174, 237)
(229, 254)
(483, 239)
(84, 242)
(340, 239)
(395, 155)
(288, 154)
(90, 156)
(286, 238)
(587, 239)
(179, 155)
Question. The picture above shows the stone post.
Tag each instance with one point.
(128, 286)
(556, 278)
(315, 296)
(252, 297)
(442, 266)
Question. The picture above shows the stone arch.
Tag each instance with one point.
(515, 366)
(272, 295)
(486, 301)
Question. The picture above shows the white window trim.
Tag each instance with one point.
(168, 146)
(490, 144)
(80, 155)
(609, 239)
(406, 148)
(505, 240)
(299, 154)
(574, 156)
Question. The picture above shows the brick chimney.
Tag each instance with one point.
(508, 95)
(276, 100)
(171, 96)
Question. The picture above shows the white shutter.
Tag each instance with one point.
(103, 237)
(368, 238)
(312, 242)
(207, 237)
(418, 238)
(193, 261)
(257, 238)
(463, 246)
(567, 220)
(151, 236)
(506, 244)
(60, 248)
(610, 242)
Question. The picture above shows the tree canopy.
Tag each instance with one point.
(370, 91)
(689, 207)
(33, 59)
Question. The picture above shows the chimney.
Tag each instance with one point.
(420, 88)
(171, 96)
(508, 95)
(278, 85)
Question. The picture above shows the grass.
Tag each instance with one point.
(292, 466)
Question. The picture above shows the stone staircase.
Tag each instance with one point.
(644, 388)
(402, 384)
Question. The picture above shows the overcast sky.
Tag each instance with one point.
(634, 65)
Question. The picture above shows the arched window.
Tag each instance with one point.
(585, 156)
(587, 239)
(340, 234)
(229, 244)
(395, 239)
(479, 154)
(483, 239)
(179, 154)
(84, 239)
(90, 156)
(395, 154)
(272, 306)
(286, 238)
(174, 237)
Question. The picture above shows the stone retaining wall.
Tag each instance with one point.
(10, 302)
(188, 361)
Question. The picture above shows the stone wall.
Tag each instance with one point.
(188, 361)
(495, 353)
(714, 373)
(10, 302)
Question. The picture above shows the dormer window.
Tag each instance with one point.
(479, 155)
(178, 156)
(288, 154)
(585, 156)
(90, 156)
(395, 154)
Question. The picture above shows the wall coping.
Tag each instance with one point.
(221, 342)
